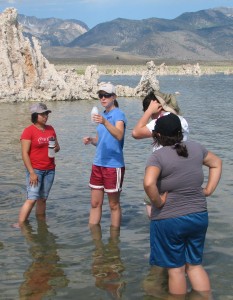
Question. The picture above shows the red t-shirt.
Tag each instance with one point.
(39, 146)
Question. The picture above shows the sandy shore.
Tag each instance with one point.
(110, 61)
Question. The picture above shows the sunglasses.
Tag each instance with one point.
(105, 95)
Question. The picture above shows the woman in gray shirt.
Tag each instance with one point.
(179, 220)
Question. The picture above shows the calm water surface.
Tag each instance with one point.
(59, 258)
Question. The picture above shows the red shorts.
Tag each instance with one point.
(108, 179)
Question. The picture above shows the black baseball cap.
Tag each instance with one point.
(168, 125)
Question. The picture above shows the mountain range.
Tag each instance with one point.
(205, 35)
(52, 31)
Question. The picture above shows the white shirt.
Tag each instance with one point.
(184, 125)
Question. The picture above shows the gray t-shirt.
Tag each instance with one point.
(182, 177)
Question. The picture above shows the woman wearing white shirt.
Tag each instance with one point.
(155, 105)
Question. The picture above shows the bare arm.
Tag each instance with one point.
(90, 140)
(57, 146)
(214, 163)
(150, 186)
(140, 131)
(25, 145)
(116, 131)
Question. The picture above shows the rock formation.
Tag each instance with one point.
(191, 70)
(26, 75)
(148, 81)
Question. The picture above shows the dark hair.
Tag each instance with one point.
(116, 104)
(147, 100)
(34, 118)
(175, 141)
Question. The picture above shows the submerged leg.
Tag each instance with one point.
(198, 277)
(114, 204)
(97, 197)
(177, 281)
(26, 210)
(41, 207)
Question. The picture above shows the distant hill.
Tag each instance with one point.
(206, 35)
(52, 31)
(203, 35)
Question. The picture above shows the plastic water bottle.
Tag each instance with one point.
(51, 152)
(94, 111)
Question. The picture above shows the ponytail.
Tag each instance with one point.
(116, 103)
(175, 141)
(181, 149)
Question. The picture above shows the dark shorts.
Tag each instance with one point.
(108, 179)
(177, 241)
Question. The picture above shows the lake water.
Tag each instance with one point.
(59, 258)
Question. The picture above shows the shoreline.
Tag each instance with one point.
(138, 69)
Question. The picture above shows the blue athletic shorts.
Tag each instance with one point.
(45, 182)
(177, 241)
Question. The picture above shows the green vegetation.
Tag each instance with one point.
(80, 71)
(173, 67)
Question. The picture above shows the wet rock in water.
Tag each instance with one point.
(148, 81)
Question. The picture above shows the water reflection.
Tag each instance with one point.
(155, 286)
(44, 275)
(107, 266)
(68, 206)
(156, 283)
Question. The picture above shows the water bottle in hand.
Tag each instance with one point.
(94, 111)
(51, 151)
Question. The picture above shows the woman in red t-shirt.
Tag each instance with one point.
(40, 168)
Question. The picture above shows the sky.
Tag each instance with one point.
(93, 12)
